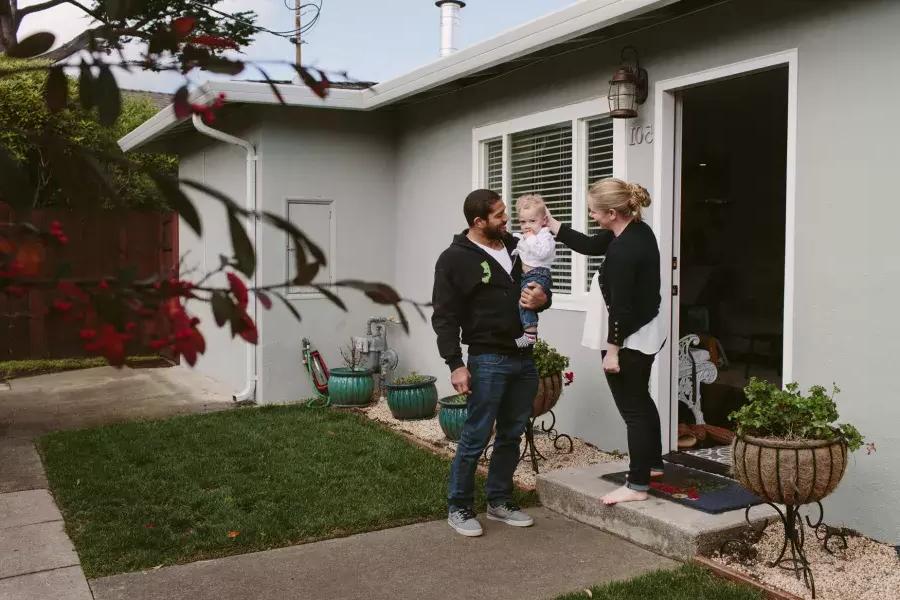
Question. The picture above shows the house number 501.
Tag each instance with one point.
(643, 134)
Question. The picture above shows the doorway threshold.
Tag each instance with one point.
(701, 463)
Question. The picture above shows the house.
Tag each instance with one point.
(765, 140)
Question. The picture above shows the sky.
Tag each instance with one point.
(372, 41)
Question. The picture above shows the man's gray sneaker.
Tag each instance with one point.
(510, 514)
(464, 522)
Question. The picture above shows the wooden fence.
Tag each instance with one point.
(101, 243)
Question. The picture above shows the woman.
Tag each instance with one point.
(629, 280)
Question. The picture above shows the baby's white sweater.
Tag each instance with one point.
(537, 250)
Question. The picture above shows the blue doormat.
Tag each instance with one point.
(697, 489)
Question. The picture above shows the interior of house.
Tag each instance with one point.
(731, 255)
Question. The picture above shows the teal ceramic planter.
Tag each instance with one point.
(412, 401)
(452, 416)
(349, 387)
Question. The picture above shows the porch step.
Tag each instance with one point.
(659, 525)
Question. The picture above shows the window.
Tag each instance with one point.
(557, 154)
(315, 218)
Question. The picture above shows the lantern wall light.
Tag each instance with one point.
(628, 87)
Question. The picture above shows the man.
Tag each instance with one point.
(477, 291)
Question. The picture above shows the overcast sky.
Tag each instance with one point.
(373, 41)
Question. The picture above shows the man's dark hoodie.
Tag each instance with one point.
(472, 292)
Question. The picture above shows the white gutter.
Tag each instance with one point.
(250, 203)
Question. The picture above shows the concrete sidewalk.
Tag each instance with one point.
(427, 561)
(37, 558)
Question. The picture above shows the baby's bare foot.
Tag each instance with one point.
(623, 494)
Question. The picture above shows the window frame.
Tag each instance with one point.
(578, 114)
(293, 292)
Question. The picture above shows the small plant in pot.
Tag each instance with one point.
(412, 397)
(351, 385)
(453, 414)
(789, 448)
(552, 376)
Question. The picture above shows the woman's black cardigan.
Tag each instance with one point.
(629, 276)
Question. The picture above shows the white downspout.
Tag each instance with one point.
(250, 203)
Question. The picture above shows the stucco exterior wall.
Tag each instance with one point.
(846, 275)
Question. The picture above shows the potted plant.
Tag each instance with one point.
(412, 397)
(453, 414)
(789, 449)
(550, 366)
(351, 385)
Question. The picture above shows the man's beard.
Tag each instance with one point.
(494, 233)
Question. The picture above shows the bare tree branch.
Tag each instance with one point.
(21, 14)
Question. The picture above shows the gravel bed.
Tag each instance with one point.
(866, 570)
(429, 430)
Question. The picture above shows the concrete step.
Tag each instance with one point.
(660, 525)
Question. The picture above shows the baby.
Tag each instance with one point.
(537, 250)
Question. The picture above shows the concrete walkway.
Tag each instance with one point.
(427, 561)
(37, 558)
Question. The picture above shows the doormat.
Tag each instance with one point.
(696, 489)
(698, 462)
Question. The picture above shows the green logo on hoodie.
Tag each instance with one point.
(487, 271)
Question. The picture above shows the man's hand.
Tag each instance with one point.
(533, 297)
(460, 380)
(611, 360)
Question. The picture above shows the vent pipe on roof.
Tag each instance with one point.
(449, 24)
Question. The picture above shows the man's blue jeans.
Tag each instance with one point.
(503, 390)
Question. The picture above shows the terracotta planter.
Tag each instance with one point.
(549, 389)
(789, 472)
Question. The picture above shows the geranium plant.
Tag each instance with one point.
(772, 412)
(550, 362)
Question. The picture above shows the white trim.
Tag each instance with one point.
(557, 27)
(332, 246)
(576, 114)
(663, 218)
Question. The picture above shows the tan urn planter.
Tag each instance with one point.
(549, 390)
(789, 472)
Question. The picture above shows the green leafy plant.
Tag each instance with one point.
(457, 400)
(788, 414)
(548, 360)
(412, 379)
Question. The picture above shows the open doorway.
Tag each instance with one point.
(729, 251)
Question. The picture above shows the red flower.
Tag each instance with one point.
(238, 289)
(62, 306)
(569, 377)
(182, 26)
(67, 288)
(214, 41)
(56, 231)
(110, 343)
(186, 340)
(248, 329)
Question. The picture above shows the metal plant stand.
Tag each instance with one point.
(530, 450)
(794, 539)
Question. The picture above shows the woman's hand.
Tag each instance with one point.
(611, 360)
(552, 224)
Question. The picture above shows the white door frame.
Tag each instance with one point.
(666, 155)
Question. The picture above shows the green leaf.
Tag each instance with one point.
(180, 203)
(230, 204)
(272, 85)
(56, 90)
(334, 298)
(380, 293)
(403, 320)
(33, 45)
(222, 307)
(109, 98)
(217, 64)
(306, 272)
(240, 243)
(290, 307)
(85, 86)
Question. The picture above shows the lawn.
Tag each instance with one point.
(139, 495)
(10, 369)
(685, 583)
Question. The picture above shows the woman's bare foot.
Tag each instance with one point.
(623, 494)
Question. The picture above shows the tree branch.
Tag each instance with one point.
(21, 14)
